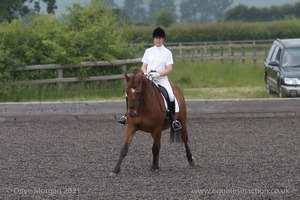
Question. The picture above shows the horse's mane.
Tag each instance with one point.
(138, 73)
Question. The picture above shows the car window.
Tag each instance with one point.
(278, 56)
(271, 52)
(291, 57)
(275, 54)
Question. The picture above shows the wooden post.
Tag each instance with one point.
(254, 53)
(222, 54)
(232, 54)
(124, 68)
(60, 73)
(243, 55)
(180, 50)
(254, 56)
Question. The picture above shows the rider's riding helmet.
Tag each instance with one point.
(159, 32)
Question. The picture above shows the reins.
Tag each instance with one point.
(157, 93)
(135, 105)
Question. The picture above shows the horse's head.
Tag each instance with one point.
(134, 91)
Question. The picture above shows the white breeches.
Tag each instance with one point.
(166, 84)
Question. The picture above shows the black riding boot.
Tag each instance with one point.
(123, 119)
(175, 124)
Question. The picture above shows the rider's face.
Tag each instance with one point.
(158, 41)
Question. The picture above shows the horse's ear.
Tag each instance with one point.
(127, 77)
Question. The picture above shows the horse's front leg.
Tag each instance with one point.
(128, 135)
(155, 150)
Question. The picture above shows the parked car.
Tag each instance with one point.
(282, 68)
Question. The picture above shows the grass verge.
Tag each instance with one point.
(208, 80)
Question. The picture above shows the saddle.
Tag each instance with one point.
(165, 94)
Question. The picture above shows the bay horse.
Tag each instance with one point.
(147, 112)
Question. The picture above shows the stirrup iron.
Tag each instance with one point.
(176, 125)
(123, 120)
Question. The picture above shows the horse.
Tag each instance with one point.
(147, 112)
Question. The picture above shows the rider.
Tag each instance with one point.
(158, 63)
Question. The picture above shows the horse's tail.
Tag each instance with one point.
(175, 136)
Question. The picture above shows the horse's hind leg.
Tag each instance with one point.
(184, 137)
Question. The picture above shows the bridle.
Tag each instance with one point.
(135, 105)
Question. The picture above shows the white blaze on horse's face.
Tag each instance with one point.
(133, 91)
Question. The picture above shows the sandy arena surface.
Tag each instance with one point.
(237, 158)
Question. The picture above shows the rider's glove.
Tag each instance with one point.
(154, 74)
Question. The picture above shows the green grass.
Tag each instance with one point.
(225, 93)
(66, 92)
(208, 80)
(214, 80)
(215, 74)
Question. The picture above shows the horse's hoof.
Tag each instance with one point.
(154, 168)
(193, 162)
(113, 174)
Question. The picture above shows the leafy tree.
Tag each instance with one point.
(50, 6)
(251, 14)
(203, 11)
(97, 35)
(156, 6)
(110, 3)
(90, 33)
(135, 9)
(165, 18)
(11, 9)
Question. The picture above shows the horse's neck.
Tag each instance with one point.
(150, 91)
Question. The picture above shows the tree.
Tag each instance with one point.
(110, 3)
(50, 6)
(203, 11)
(244, 13)
(135, 10)
(158, 5)
(165, 18)
(97, 35)
(11, 9)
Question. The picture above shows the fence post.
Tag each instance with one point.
(124, 68)
(243, 55)
(254, 53)
(202, 55)
(180, 50)
(60, 73)
(222, 54)
(232, 54)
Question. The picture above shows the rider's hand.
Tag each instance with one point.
(154, 74)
